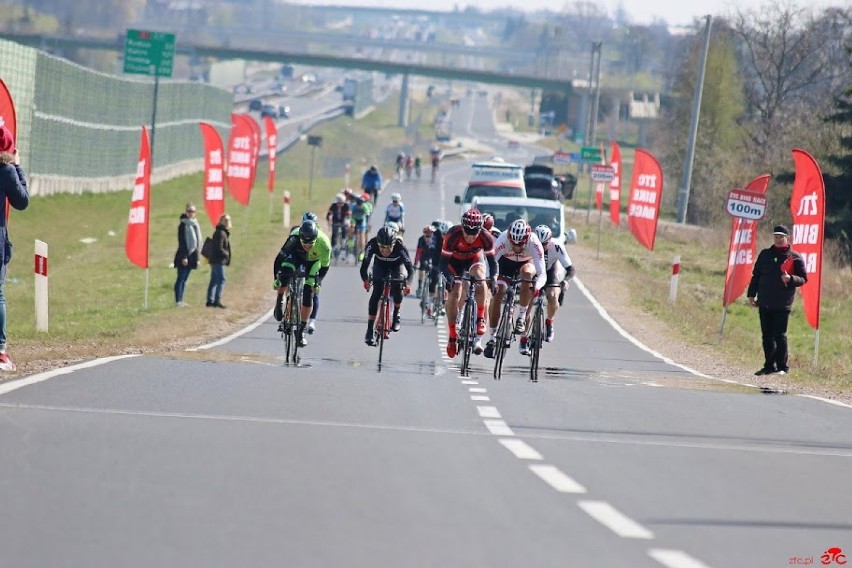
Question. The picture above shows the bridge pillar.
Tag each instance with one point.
(403, 103)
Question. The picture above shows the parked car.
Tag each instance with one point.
(534, 211)
(269, 110)
(255, 104)
(540, 183)
(283, 111)
(568, 182)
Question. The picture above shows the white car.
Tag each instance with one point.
(533, 211)
(493, 178)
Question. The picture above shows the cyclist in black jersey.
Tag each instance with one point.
(388, 256)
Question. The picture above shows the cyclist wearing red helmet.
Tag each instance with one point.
(467, 247)
(519, 254)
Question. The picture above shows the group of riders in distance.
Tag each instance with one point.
(408, 164)
(448, 258)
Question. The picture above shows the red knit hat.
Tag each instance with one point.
(7, 143)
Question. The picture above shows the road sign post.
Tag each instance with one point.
(150, 53)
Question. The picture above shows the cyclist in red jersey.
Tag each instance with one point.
(467, 247)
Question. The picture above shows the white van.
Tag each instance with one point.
(494, 178)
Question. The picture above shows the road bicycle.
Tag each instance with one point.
(466, 334)
(292, 313)
(339, 236)
(425, 304)
(505, 328)
(384, 323)
(535, 337)
(438, 307)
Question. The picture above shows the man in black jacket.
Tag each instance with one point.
(778, 271)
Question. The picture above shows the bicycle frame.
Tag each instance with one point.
(383, 323)
(536, 336)
(292, 319)
(467, 332)
(505, 328)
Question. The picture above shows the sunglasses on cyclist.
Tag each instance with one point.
(304, 242)
(470, 231)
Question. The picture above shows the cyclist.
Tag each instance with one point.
(388, 256)
(519, 254)
(371, 182)
(467, 247)
(409, 166)
(298, 254)
(488, 224)
(337, 217)
(323, 243)
(559, 271)
(360, 210)
(400, 164)
(417, 166)
(423, 256)
(435, 155)
(395, 212)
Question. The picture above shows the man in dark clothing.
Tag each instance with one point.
(389, 256)
(778, 271)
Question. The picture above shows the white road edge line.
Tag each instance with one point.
(33, 379)
(614, 520)
(521, 449)
(554, 477)
(621, 331)
(675, 558)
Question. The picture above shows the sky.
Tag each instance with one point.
(675, 12)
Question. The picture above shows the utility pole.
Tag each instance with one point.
(686, 178)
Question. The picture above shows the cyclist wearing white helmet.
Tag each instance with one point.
(519, 254)
(559, 272)
(395, 212)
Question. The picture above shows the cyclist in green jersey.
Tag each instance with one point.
(318, 251)
(302, 252)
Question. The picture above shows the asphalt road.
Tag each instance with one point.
(226, 457)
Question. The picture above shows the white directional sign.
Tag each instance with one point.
(602, 173)
(746, 204)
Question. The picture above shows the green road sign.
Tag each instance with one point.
(590, 154)
(145, 49)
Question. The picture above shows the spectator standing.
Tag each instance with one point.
(13, 188)
(189, 245)
(220, 257)
(778, 271)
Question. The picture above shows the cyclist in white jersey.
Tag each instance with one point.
(518, 253)
(395, 212)
(560, 271)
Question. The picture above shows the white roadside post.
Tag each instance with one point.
(41, 303)
(675, 275)
(286, 209)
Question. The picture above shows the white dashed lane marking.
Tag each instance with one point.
(617, 522)
(488, 411)
(498, 428)
(480, 398)
(556, 479)
(521, 449)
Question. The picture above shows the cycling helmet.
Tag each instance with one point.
(472, 221)
(393, 225)
(487, 221)
(445, 227)
(428, 230)
(308, 232)
(543, 233)
(571, 236)
(396, 197)
(310, 216)
(386, 236)
(366, 196)
(340, 198)
(519, 232)
(347, 192)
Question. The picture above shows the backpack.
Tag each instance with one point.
(207, 248)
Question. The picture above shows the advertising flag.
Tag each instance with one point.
(255, 145)
(271, 148)
(8, 118)
(136, 242)
(240, 159)
(742, 249)
(615, 186)
(807, 204)
(646, 190)
(214, 173)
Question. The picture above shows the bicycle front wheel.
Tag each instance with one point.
(382, 327)
(466, 337)
(535, 339)
(503, 338)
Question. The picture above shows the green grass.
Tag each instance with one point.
(97, 297)
(697, 313)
